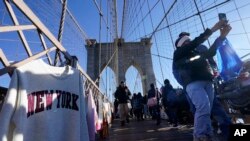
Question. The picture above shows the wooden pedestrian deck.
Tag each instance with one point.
(147, 130)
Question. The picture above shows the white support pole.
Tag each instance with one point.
(44, 46)
(36, 21)
(20, 33)
(61, 27)
(16, 28)
(41, 27)
(11, 67)
(3, 59)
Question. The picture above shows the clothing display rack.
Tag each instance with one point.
(45, 36)
(43, 32)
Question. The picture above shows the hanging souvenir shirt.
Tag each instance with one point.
(107, 111)
(99, 111)
(44, 103)
(92, 116)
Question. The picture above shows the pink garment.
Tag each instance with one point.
(98, 125)
(92, 117)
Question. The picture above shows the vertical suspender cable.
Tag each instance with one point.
(64, 8)
(100, 45)
(123, 17)
(165, 16)
(142, 18)
(107, 49)
(137, 76)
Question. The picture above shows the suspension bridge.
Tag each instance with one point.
(115, 40)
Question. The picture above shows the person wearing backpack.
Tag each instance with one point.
(196, 76)
(154, 109)
(217, 112)
(169, 101)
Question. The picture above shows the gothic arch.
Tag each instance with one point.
(138, 68)
(129, 53)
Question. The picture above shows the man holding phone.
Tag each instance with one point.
(195, 73)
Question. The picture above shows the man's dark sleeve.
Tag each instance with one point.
(208, 54)
(194, 43)
(212, 50)
(116, 94)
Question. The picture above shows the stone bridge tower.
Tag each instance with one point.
(137, 54)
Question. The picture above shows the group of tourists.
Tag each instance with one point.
(154, 104)
(194, 69)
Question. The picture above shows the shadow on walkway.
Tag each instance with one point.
(147, 130)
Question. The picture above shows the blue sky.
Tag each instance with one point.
(239, 19)
(87, 15)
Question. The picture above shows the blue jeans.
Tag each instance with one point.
(201, 94)
(220, 115)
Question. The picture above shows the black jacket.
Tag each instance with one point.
(121, 95)
(195, 70)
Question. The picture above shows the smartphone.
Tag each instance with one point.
(222, 16)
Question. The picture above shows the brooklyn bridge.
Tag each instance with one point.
(125, 50)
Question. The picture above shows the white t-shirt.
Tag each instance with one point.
(44, 103)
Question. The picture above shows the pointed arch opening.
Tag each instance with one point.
(134, 80)
(108, 83)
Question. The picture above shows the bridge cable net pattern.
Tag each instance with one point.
(73, 40)
(108, 32)
(162, 21)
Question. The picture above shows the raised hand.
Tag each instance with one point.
(220, 24)
(225, 30)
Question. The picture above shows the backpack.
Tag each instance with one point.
(169, 97)
(176, 74)
(172, 98)
(164, 96)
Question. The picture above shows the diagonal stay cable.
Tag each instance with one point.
(181, 20)
(147, 14)
(165, 16)
(110, 59)
(155, 41)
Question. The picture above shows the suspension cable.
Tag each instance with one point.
(100, 44)
(131, 16)
(199, 14)
(160, 56)
(142, 19)
(101, 15)
(165, 17)
(58, 55)
(137, 76)
(186, 18)
(244, 28)
(147, 14)
(155, 41)
(123, 16)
